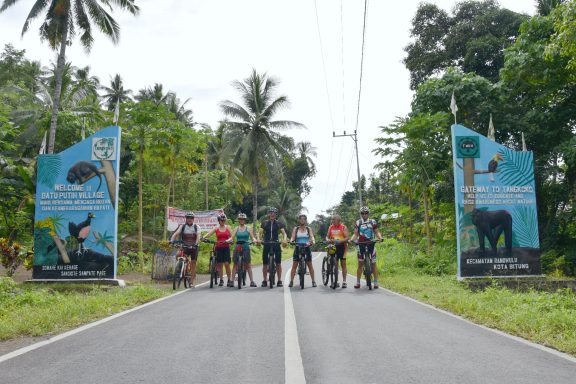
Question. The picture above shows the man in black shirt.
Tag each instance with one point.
(271, 229)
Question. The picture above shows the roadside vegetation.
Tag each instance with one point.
(41, 310)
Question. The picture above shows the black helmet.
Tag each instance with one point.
(272, 210)
(189, 215)
(364, 210)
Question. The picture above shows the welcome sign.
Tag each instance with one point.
(496, 218)
(76, 220)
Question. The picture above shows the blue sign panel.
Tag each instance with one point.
(76, 217)
(496, 219)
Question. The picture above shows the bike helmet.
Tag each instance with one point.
(272, 210)
(302, 215)
(241, 216)
(364, 210)
(189, 215)
(331, 249)
(222, 217)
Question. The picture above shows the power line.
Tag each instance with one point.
(323, 65)
(343, 67)
(361, 62)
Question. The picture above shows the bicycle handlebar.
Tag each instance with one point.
(181, 244)
(371, 241)
(213, 241)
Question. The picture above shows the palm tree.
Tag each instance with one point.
(544, 7)
(183, 114)
(115, 94)
(306, 151)
(155, 94)
(62, 20)
(254, 120)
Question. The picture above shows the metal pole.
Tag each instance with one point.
(355, 138)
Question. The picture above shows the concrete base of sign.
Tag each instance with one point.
(114, 282)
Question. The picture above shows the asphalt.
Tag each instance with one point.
(223, 335)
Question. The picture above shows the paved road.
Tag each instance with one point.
(225, 335)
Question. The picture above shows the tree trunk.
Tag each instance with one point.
(254, 204)
(168, 201)
(140, 202)
(61, 62)
(427, 221)
(206, 179)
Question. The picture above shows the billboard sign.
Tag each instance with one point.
(76, 220)
(496, 217)
(206, 220)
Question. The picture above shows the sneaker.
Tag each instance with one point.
(313, 284)
(344, 285)
(230, 283)
(375, 285)
(252, 284)
(290, 284)
(357, 286)
(264, 283)
(221, 283)
(279, 284)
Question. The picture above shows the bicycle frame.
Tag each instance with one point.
(271, 265)
(241, 271)
(212, 267)
(181, 266)
(368, 264)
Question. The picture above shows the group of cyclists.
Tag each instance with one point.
(365, 230)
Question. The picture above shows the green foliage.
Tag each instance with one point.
(471, 38)
(517, 168)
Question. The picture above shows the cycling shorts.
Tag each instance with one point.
(271, 249)
(222, 255)
(247, 257)
(340, 251)
(362, 248)
(296, 256)
(191, 253)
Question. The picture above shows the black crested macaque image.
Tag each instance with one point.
(491, 224)
(81, 171)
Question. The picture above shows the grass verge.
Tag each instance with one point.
(35, 310)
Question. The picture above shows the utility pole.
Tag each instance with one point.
(355, 138)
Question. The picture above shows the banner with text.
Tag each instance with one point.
(75, 227)
(206, 220)
(496, 219)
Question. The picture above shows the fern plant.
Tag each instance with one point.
(517, 167)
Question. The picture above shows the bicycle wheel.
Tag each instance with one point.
(335, 272)
(302, 272)
(212, 271)
(240, 273)
(325, 273)
(368, 271)
(186, 276)
(177, 278)
(271, 271)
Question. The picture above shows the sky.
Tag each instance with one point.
(313, 48)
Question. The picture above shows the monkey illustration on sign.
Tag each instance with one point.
(81, 171)
(491, 224)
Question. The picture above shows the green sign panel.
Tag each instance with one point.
(467, 147)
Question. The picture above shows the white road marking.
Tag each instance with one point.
(294, 369)
(496, 331)
(64, 335)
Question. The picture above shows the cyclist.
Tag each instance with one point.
(302, 234)
(243, 233)
(188, 233)
(271, 229)
(338, 235)
(364, 230)
(222, 247)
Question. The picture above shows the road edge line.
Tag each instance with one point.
(493, 330)
(40, 344)
(293, 366)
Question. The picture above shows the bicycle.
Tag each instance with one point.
(181, 272)
(368, 264)
(301, 251)
(330, 266)
(240, 264)
(271, 263)
(212, 267)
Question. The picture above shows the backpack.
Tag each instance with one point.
(196, 229)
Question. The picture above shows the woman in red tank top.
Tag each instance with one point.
(222, 248)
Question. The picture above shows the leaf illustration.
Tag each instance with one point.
(525, 226)
(48, 169)
(517, 168)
